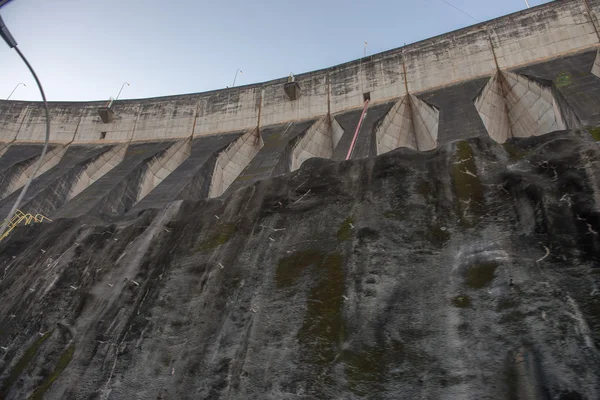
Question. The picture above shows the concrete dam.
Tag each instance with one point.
(420, 223)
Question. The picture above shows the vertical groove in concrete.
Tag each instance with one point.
(163, 165)
(51, 158)
(410, 123)
(232, 161)
(98, 168)
(513, 105)
(318, 141)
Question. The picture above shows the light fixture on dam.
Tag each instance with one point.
(291, 88)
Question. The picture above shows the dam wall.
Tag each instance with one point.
(525, 74)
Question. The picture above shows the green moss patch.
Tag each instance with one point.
(224, 233)
(514, 152)
(595, 132)
(345, 231)
(461, 301)
(322, 331)
(290, 268)
(63, 362)
(393, 215)
(563, 79)
(479, 276)
(23, 363)
(438, 235)
(366, 369)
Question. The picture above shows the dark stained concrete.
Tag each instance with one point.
(572, 76)
(50, 190)
(116, 192)
(192, 179)
(366, 144)
(466, 272)
(271, 159)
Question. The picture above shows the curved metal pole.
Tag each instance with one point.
(11, 93)
(122, 86)
(236, 74)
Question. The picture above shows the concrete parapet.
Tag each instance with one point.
(536, 35)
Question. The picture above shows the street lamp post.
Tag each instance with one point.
(11, 93)
(122, 86)
(236, 74)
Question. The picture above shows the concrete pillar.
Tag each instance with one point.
(411, 123)
(318, 141)
(232, 161)
(513, 105)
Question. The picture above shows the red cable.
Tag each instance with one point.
(357, 130)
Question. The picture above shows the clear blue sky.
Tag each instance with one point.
(85, 50)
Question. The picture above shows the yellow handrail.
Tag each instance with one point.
(26, 219)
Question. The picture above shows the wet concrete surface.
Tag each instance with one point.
(467, 272)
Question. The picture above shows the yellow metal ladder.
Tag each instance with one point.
(24, 219)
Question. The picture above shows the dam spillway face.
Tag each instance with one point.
(420, 223)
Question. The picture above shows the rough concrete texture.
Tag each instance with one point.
(513, 105)
(410, 123)
(232, 161)
(320, 140)
(466, 272)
